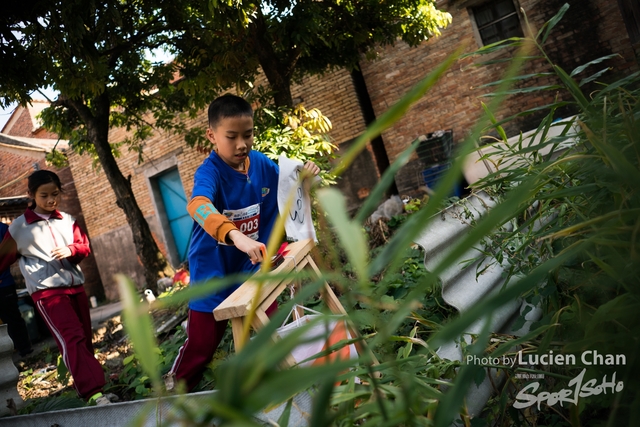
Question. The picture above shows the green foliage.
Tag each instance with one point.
(296, 133)
(69, 400)
(572, 214)
(139, 326)
(229, 41)
(252, 379)
(62, 372)
(585, 213)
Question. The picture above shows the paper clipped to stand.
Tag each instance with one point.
(298, 224)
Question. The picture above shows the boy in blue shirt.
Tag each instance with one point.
(234, 206)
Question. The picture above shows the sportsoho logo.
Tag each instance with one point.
(577, 387)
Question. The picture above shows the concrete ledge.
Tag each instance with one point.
(8, 374)
(167, 411)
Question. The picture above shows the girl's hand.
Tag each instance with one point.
(61, 252)
(254, 250)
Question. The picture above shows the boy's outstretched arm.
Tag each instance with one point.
(213, 222)
(309, 170)
(222, 229)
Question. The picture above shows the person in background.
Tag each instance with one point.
(9, 310)
(50, 244)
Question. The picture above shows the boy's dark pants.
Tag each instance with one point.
(204, 334)
(10, 314)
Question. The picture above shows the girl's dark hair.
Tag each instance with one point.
(228, 106)
(39, 178)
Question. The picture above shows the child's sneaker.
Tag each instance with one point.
(103, 399)
(169, 381)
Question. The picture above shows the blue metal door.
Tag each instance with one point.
(175, 206)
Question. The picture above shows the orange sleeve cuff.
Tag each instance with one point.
(213, 222)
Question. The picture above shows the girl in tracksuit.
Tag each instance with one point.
(49, 245)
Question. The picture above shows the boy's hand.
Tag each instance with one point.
(61, 252)
(254, 250)
(309, 170)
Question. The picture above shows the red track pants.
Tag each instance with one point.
(68, 319)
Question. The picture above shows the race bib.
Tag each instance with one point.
(246, 220)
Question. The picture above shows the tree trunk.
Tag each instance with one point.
(98, 132)
(281, 88)
(278, 73)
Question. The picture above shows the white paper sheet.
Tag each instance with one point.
(298, 224)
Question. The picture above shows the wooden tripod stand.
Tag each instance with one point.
(237, 306)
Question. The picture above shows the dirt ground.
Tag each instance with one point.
(38, 371)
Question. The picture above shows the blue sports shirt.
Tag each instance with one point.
(250, 201)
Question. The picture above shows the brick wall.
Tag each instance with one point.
(20, 123)
(16, 164)
(111, 237)
(590, 29)
(106, 222)
(335, 96)
(14, 169)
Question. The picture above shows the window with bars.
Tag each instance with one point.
(496, 20)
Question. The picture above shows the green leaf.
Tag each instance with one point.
(349, 232)
(593, 77)
(549, 25)
(284, 417)
(583, 67)
(138, 325)
(493, 120)
(573, 88)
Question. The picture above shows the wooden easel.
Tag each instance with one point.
(237, 305)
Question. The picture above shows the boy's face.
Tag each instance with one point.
(233, 138)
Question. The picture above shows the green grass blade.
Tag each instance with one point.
(349, 232)
(284, 418)
(393, 114)
(523, 90)
(583, 67)
(593, 77)
(374, 198)
(138, 325)
(552, 23)
(573, 88)
(453, 399)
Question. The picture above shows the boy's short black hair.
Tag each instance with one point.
(228, 106)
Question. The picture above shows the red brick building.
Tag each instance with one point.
(590, 29)
(23, 147)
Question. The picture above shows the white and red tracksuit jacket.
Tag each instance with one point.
(31, 238)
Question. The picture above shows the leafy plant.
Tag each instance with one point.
(575, 222)
(294, 132)
(584, 210)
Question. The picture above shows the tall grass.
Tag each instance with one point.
(585, 258)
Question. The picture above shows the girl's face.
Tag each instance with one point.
(46, 197)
